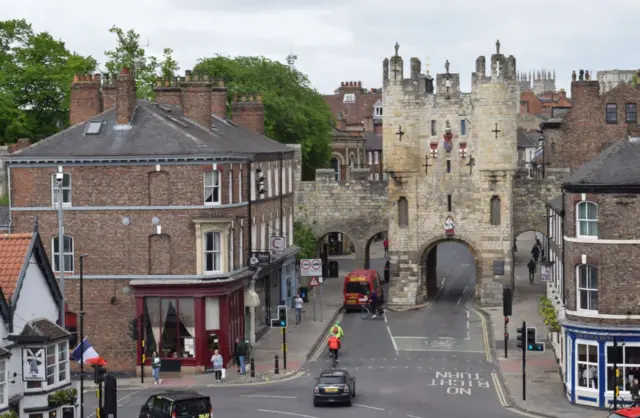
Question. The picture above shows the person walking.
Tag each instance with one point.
(532, 270)
(155, 367)
(297, 303)
(535, 252)
(236, 357)
(217, 361)
(242, 355)
(385, 243)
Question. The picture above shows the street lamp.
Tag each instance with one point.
(59, 196)
(82, 333)
(541, 143)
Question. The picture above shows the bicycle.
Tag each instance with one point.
(366, 313)
(334, 359)
(635, 402)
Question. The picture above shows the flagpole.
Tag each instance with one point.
(82, 335)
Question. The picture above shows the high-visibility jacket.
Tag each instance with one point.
(334, 343)
(339, 334)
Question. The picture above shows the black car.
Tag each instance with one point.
(334, 386)
(177, 404)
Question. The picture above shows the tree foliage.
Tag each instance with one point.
(634, 81)
(168, 66)
(36, 71)
(304, 238)
(295, 113)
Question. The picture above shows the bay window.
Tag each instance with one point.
(170, 327)
(627, 358)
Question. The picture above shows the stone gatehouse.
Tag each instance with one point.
(451, 161)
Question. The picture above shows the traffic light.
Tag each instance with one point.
(110, 396)
(522, 338)
(99, 374)
(532, 343)
(282, 315)
(133, 329)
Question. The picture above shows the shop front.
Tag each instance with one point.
(185, 323)
(590, 358)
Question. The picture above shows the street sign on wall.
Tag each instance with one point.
(277, 243)
(310, 267)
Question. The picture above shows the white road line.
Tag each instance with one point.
(269, 396)
(286, 413)
(368, 407)
(393, 341)
(468, 335)
(412, 338)
(459, 299)
(412, 416)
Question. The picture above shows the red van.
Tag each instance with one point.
(358, 285)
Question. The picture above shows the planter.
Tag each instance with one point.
(63, 397)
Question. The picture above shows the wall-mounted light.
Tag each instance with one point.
(156, 222)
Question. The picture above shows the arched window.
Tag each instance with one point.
(587, 219)
(213, 252)
(212, 187)
(403, 212)
(352, 161)
(495, 210)
(335, 165)
(67, 254)
(587, 276)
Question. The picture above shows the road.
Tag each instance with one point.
(428, 363)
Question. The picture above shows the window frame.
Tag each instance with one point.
(586, 362)
(434, 127)
(463, 127)
(55, 256)
(498, 216)
(276, 181)
(611, 109)
(241, 247)
(633, 106)
(44, 385)
(54, 188)
(213, 186)
(579, 220)
(377, 111)
(588, 270)
(349, 98)
(220, 251)
(230, 247)
(623, 365)
(376, 157)
(4, 382)
(230, 185)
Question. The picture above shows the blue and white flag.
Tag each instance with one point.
(84, 352)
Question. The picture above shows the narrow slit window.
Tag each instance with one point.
(449, 203)
(448, 166)
(495, 210)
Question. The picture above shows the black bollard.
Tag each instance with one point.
(277, 370)
(253, 367)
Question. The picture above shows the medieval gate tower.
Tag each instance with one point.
(451, 159)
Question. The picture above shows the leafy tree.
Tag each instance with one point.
(168, 66)
(128, 53)
(295, 113)
(634, 81)
(304, 238)
(36, 71)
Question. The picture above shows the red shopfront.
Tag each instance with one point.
(186, 323)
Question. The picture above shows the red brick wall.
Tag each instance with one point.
(85, 100)
(249, 114)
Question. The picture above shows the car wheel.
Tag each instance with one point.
(315, 403)
(349, 402)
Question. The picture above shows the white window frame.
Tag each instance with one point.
(370, 157)
(349, 98)
(240, 196)
(377, 111)
(211, 184)
(4, 383)
(276, 180)
(241, 247)
(253, 184)
(219, 251)
(230, 246)
(55, 256)
(376, 157)
(588, 289)
(587, 363)
(54, 190)
(290, 179)
(587, 220)
(269, 183)
(62, 359)
(230, 185)
(621, 366)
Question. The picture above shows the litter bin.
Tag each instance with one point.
(304, 293)
(333, 269)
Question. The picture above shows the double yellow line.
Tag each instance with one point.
(316, 355)
(485, 336)
(499, 391)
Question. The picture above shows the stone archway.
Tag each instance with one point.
(351, 234)
(367, 247)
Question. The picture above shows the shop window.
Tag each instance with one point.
(627, 358)
(587, 361)
(172, 325)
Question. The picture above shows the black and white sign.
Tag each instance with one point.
(277, 243)
(310, 267)
(260, 259)
(34, 368)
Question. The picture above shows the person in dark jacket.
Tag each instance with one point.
(236, 359)
(532, 270)
(241, 352)
(535, 252)
(386, 272)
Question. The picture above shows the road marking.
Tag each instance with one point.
(286, 413)
(269, 396)
(485, 336)
(393, 341)
(412, 416)
(368, 407)
(496, 384)
(459, 299)
(322, 346)
(443, 351)
(268, 382)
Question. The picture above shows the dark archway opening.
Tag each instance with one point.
(376, 254)
(449, 272)
(335, 165)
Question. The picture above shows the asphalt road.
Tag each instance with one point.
(428, 363)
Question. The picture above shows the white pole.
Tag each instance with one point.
(61, 251)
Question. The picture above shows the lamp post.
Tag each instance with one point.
(82, 333)
(541, 142)
(59, 196)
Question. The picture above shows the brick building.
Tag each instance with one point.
(541, 104)
(594, 240)
(169, 200)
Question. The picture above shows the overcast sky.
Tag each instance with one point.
(340, 40)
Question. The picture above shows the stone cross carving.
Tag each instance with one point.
(447, 84)
(426, 164)
(498, 46)
(395, 71)
(446, 66)
(400, 133)
(496, 130)
(396, 47)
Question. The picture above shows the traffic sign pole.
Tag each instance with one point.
(320, 303)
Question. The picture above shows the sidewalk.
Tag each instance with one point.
(545, 390)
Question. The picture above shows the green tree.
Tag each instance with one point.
(128, 53)
(168, 66)
(304, 238)
(36, 71)
(634, 81)
(295, 113)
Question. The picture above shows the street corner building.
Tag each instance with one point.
(594, 230)
(35, 376)
(163, 206)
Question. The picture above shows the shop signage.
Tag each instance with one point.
(260, 259)
(34, 368)
(594, 337)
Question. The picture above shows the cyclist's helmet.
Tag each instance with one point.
(338, 323)
(335, 330)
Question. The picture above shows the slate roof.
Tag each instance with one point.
(14, 250)
(5, 218)
(44, 328)
(615, 166)
(556, 203)
(372, 141)
(156, 130)
(352, 113)
(524, 140)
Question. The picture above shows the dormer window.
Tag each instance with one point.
(377, 109)
(349, 98)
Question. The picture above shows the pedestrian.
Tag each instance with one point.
(635, 391)
(385, 243)
(386, 271)
(532, 270)
(155, 367)
(236, 358)
(217, 361)
(535, 252)
(242, 355)
(297, 303)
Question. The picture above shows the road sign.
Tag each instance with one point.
(314, 282)
(277, 243)
(310, 267)
(545, 273)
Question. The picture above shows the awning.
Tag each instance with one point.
(251, 299)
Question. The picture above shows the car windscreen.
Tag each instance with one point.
(357, 287)
(331, 380)
(192, 407)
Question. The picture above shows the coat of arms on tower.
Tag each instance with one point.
(449, 226)
(448, 138)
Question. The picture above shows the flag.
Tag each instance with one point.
(84, 351)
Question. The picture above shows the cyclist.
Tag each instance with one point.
(336, 331)
(374, 303)
(334, 346)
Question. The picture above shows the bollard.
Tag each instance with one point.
(277, 369)
(253, 367)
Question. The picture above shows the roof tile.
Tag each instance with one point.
(13, 252)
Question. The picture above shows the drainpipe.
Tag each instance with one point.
(562, 213)
(281, 176)
(249, 216)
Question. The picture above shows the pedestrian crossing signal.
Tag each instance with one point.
(536, 347)
(281, 320)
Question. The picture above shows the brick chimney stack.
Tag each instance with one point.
(108, 91)
(125, 97)
(219, 99)
(168, 92)
(85, 100)
(585, 93)
(196, 99)
(248, 111)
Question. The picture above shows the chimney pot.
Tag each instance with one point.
(359, 83)
(97, 77)
(573, 75)
(125, 71)
(187, 75)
